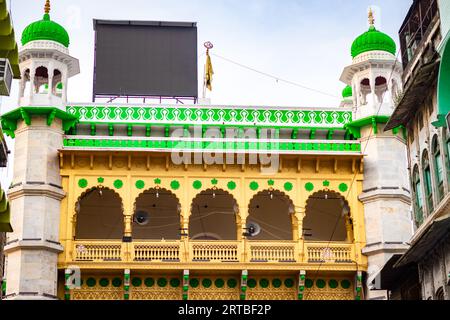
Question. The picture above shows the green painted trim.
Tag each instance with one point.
(355, 127)
(210, 145)
(181, 116)
(9, 120)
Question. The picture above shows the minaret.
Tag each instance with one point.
(375, 79)
(38, 126)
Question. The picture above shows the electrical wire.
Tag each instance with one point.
(277, 79)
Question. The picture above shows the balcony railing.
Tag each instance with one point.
(286, 252)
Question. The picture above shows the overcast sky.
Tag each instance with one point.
(307, 42)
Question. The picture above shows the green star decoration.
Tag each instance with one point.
(214, 182)
(157, 181)
(100, 180)
(326, 183)
(271, 183)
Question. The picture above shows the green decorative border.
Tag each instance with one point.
(214, 145)
(118, 184)
(82, 183)
(140, 184)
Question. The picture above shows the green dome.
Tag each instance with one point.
(347, 92)
(45, 29)
(373, 40)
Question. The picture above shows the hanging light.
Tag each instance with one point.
(326, 196)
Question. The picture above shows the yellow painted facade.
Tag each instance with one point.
(211, 260)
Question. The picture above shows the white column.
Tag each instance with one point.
(64, 83)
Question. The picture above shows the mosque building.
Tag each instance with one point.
(309, 204)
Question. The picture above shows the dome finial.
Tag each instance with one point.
(371, 18)
(47, 7)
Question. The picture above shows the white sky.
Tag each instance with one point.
(304, 41)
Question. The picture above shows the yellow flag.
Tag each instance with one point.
(208, 72)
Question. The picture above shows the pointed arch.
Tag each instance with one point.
(213, 212)
(162, 208)
(99, 215)
(328, 217)
(273, 211)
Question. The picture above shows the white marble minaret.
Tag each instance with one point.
(375, 78)
(38, 126)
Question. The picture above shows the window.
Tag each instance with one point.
(428, 183)
(438, 167)
(418, 206)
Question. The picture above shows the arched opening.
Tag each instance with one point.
(427, 180)
(56, 83)
(271, 211)
(380, 88)
(156, 216)
(99, 215)
(213, 216)
(418, 197)
(438, 168)
(327, 218)
(41, 80)
(364, 90)
(25, 83)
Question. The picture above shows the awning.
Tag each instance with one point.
(389, 277)
(5, 214)
(439, 229)
(415, 94)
